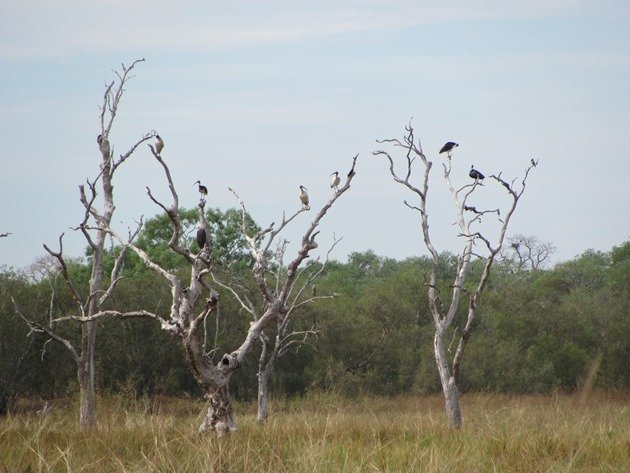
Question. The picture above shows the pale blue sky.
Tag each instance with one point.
(265, 96)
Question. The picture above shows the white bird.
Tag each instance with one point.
(303, 196)
(103, 144)
(334, 182)
(159, 144)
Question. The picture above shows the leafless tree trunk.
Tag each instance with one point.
(96, 238)
(444, 314)
(285, 338)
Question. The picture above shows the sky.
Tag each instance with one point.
(264, 96)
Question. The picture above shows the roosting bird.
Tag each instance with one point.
(334, 182)
(159, 144)
(303, 196)
(201, 236)
(103, 144)
(448, 147)
(475, 174)
(203, 190)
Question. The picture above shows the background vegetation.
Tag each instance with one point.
(538, 330)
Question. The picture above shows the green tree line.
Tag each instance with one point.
(538, 330)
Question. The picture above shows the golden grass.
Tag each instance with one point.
(326, 433)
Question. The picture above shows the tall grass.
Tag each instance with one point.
(326, 433)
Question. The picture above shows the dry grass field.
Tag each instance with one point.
(326, 433)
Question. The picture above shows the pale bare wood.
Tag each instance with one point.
(88, 307)
(443, 318)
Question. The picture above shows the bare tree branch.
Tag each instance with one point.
(37, 327)
(124, 157)
(245, 304)
(276, 302)
(172, 211)
(64, 270)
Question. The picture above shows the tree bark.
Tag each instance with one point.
(449, 385)
(86, 374)
(219, 416)
(264, 376)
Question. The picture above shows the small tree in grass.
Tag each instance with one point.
(477, 244)
(101, 285)
(281, 336)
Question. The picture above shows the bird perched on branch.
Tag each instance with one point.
(303, 196)
(103, 144)
(448, 148)
(334, 182)
(159, 144)
(475, 174)
(203, 190)
(201, 236)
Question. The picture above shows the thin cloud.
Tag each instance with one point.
(67, 28)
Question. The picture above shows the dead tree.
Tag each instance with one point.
(185, 323)
(467, 217)
(276, 344)
(100, 290)
(526, 253)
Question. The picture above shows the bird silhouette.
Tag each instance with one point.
(475, 174)
(448, 147)
(201, 236)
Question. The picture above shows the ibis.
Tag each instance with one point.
(203, 190)
(103, 144)
(159, 144)
(334, 182)
(303, 196)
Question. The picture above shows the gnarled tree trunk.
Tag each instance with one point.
(219, 415)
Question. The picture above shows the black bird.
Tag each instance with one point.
(448, 147)
(475, 174)
(203, 190)
(201, 236)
